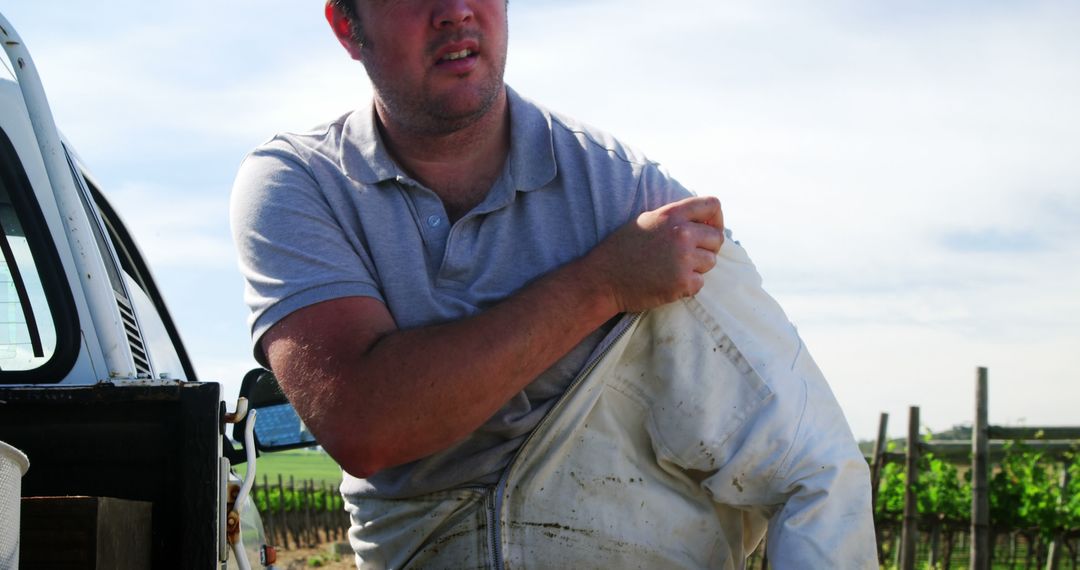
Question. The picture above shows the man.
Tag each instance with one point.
(428, 276)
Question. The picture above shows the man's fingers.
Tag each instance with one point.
(703, 236)
(718, 220)
(702, 209)
(704, 261)
(711, 239)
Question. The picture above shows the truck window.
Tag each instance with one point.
(27, 339)
(35, 316)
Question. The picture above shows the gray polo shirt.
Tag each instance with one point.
(326, 214)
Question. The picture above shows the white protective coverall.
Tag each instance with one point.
(700, 426)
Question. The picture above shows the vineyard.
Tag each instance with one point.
(300, 514)
(1030, 509)
(1006, 497)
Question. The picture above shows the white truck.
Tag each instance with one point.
(96, 387)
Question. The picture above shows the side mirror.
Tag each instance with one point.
(278, 427)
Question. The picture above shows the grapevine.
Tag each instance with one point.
(1025, 491)
(271, 500)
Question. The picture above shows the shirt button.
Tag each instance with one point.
(434, 221)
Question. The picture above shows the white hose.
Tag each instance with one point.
(240, 555)
(245, 489)
(249, 449)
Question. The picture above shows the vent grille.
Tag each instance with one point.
(131, 327)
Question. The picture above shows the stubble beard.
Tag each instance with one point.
(422, 113)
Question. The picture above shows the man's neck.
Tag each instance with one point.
(459, 166)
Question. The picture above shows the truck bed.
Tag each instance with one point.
(157, 443)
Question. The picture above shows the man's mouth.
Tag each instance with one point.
(456, 55)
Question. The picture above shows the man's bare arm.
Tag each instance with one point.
(377, 397)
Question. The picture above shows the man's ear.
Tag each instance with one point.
(342, 28)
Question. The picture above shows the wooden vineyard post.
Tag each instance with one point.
(305, 509)
(284, 520)
(1053, 556)
(328, 499)
(309, 503)
(343, 526)
(980, 470)
(876, 466)
(911, 508)
(292, 521)
(313, 506)
(269, 511)
(302, 511)
(877, 460)
(327, 510)
(320, 510)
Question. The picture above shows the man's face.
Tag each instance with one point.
(436, 65)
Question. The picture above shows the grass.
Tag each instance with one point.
(302, 464)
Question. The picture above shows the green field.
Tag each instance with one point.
(302, 464)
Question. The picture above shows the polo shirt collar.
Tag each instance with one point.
(364, 157)
(532, 149)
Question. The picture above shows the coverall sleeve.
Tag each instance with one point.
(794, 460)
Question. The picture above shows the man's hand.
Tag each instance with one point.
(660, 257)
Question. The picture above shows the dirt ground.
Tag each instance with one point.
(328, 556)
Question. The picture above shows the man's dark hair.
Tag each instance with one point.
(348, 7)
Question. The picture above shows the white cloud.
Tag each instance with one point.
(212, 116)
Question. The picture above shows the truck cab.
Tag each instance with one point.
(96, 387)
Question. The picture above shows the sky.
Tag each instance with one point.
(906, 178)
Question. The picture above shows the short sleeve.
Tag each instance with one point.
(657, 188)
(640, 186)
(292, 247)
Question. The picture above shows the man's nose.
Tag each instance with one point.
(451, 13)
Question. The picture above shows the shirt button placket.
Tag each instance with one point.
(438, 232)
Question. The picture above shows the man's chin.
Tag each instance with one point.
(461, 110)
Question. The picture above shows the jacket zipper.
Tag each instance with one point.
(494, 548)
(495, 495)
